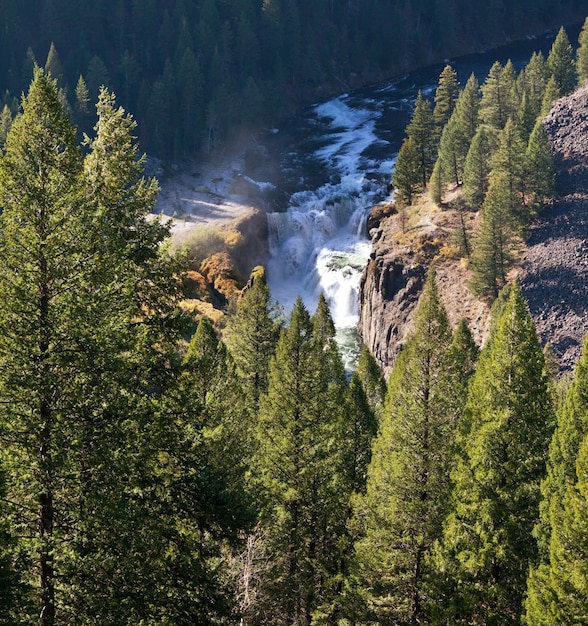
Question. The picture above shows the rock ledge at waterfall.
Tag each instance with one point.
(553, 273)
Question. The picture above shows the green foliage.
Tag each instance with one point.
(298, 471)
(477, 169)
(224, 56)
(487, 542)
(421, 130)
(552, 93)
(582, 54)
(561, 64)
(400, 516)
(371, 380)
(508, 163)
(5, 123)
(551, 590)
(499, 98)
(445, 97)
(252, 333)
(458, 134)
(539, 171)
(494, 241)
(533, 80)
(407, 173)
(558, 593)
(53, 64)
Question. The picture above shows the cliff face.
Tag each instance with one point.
(395, 274)
(553, 273)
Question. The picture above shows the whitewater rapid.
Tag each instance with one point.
(320, 244)
(336, 167)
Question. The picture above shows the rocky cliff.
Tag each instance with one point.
(554, 266)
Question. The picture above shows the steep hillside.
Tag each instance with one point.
(553, 271)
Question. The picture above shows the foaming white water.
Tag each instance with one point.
(320, 244)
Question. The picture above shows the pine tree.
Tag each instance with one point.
(539, 171)
(551, 94)
(526, 117)
(88, 323)
(53, 64)
(5, 123)
(477, 169)
(421, 130)
(508, 163)
(582, 54)
(251, 335)
(467, 111)
(445, 97)
(547, 597)
(204, 444)
(558, 594)
(407, 173)
(487, 542)
(533, 80)
(458, 134)
(298, 463)
(436, 186)
(499, 102)
(371, 380)
(401, 514)
(494, 240)
(42, 248)
(561, 64)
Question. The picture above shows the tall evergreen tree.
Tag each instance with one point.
(487, 542)
(547, 591)
(508, 163)
(407, 173)
(53, 65)
(298, 464)
(499, 96)
(251, 335)
(533, 80)
(477, 169)
(561, 64)
(5, 123)
(42, 255)
(203, 442)
(401, 514)
(551, 94)
(582, 54)
(494, 241)
(371, 380)
(539, 171)
(88, 324)
(458, 134)
(445, 97)
(421, 130)
(559, 595)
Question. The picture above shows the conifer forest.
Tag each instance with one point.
(157, 468)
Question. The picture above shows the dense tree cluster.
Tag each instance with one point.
(489, 142)
(196, 71)
(146, 478)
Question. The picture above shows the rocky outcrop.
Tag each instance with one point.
(394, 277)
(553, 274)
(390, 289)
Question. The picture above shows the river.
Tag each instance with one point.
(335, 163)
